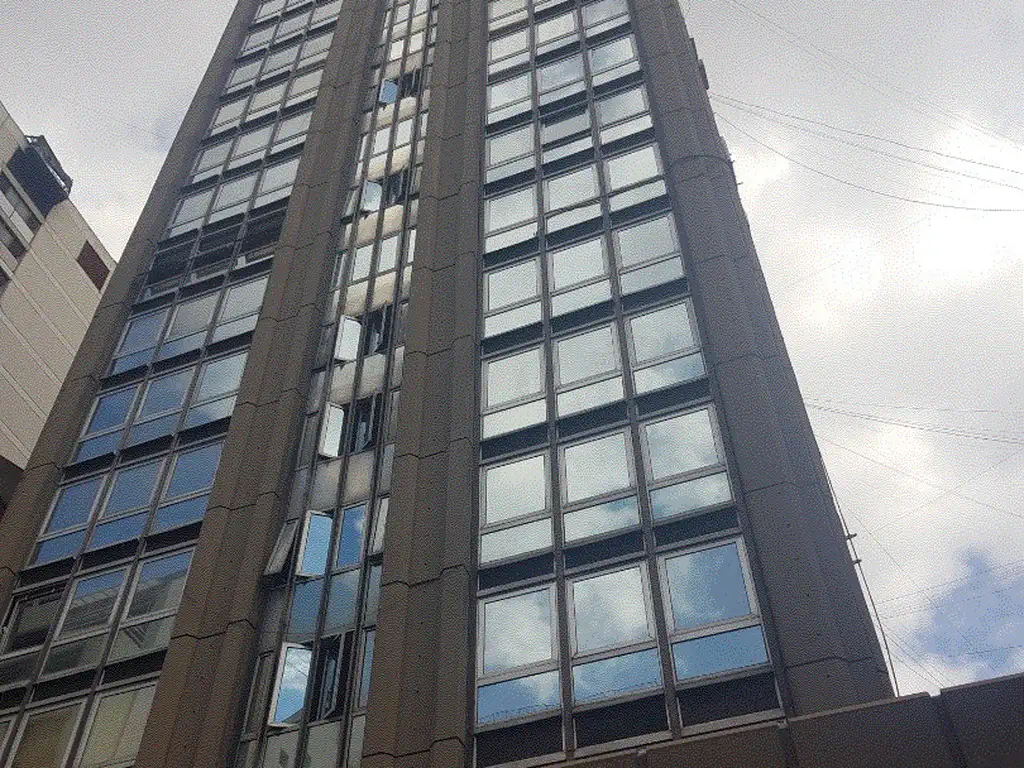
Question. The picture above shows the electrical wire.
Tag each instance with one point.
(940, 585)
(875, 150)
(861, 187)
(727, 99)
(942, 409)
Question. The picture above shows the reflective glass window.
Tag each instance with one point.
(30, 621)
(621, 105)
(515, 489)
(220, 377)
(560, 73)
(164, 394)
(662, 332)
(511, 208)
(633, 167)
(610, 610)
(521, 696)
(160, 584)
(512, 285)
(132, 488)
(510, 145)
(570, 188)
(111, 410)
(616, 676)
(74, 504)
(722, 652)
(92, 602)
(514, 377)
(586, 355)
(194, 470)
(142, 332)
(578, 263)
(116, 729)
(610, 55)
(350, 540)
(682, 444)
(517, 631)
(647, 241)
(708, 586)
(293, 677)
(316, 542)
(508, 92)
(596, 467)
(46, 737)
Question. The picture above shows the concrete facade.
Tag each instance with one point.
(216, 682)
(46, 306)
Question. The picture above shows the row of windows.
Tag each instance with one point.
(276, 30)
(18, 222)
(251, 146)
(102, 617)
(266, 101)
(712, 621)
(120, 503)
(113, 729)
(188, 325)
(292, 56)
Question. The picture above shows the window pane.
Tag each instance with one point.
(142, 332)
(556, 27)
(318, 541)
(621, 106)
(719, 653)
(221, 376)
(194, 470)
(511, 209)
(74, 504)
(512, 285)
(514, 698)
(116, 730)
(165, 394)
(501, 47)
(92, 602)
(243, 299)
(132, 488)
(160, 584)
(508, 91)
(517, 631)
(571, 188)
(682, 444)
(235, 191)
(616, 676)
(305, 608)
(291, 694)
(601, 518)
(661, 333)
(192, 316)
(589, 354)
(519, 540)
(706, 587)
(280, 175)
(513, 377)
(560, 73)
(610, 610)
(605, 57)
(516, 489)
(563, 124)
(111, 410)
(46, 737)
(350, 542)
(691, 495)
(647, 241)
(632, 167)
(30, 621)
(341, 603)
(193, 207)
(596, 467)
(578, 263)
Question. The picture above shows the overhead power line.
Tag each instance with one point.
(727, 99)
(904, 407)
(861, 187)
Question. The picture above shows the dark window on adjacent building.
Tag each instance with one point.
(4, 280)
(11, 240)
(93, 266)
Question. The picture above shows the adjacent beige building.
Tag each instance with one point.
(52, 272)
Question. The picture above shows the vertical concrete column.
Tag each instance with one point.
(201, 694)
(816, 613)
(421, 673)
(20, 524)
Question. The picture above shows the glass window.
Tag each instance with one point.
(317, 540)
(593, 13)
(190, 317)
(228, 114)
(266, 100)
(46, 737)
(512, 378)
(578, 263)
(570, 188)
(610, 55)
(559, 26)
(514, 698)
(560, 73)
(220, 377)
(305, 608)
(510, 145)
(610, 610)
(341, 602)
(92, 602)
(142, 332)
(662, 332)
(160, 584)
(111, 410)
(243, 73)
(165, 394)
(253, 141)
(279, 175)
(243, 299)
(517, 631)
(646, 242)
(508, 92)
(708, 586)
(586, 355)
(621, 105)
(516, 541)
(30, 622)
(74, 504)
(723, 652)
(235, 191)
(350, 540)
(633, 167)
(516, 489)
(616, 676)
(116, 729)
(512, 285)
(596, 467)
(132, 488)
(194, 470)
(512, 208)
(690, 495)
(600, 519)
(508, 45)
(682, 444)
(291, 687)
(563, 124)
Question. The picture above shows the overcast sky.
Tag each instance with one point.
(905, 321)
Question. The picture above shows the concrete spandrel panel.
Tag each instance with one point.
(988, 718)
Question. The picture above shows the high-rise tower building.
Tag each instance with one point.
(437, 415)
